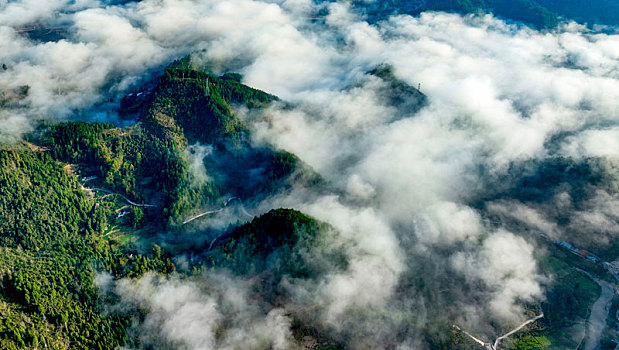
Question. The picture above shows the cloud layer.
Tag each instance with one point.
(415, 189)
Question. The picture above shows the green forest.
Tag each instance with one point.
(53, 246)
(51, 251)
(62, 194)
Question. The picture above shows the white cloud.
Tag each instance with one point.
(195, 315)
(593, 143)
(497, 94)
(505, 264)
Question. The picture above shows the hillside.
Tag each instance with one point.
(51, 250)
(151, 162)
(94, 225)
(54, 245)
(201, 105)
(74, 207)
(398, 93)
(278, 242)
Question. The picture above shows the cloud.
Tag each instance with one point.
(199, 314)
(593, 143)
(448, 222)
(410, 187)
(507, 266)
(376, 259)
(500, 95)
(195, 155)
(15, 13)
(526, 215)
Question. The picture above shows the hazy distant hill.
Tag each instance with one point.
(540, 13)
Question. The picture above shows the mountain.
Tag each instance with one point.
(70, 207)
(56, 235)
(150, 161)
(52, 237)
(94, 224)
(398, 93)
(278, 242)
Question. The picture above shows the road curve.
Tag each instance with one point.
(243, 210)
(202, 214)
(495, 346)
(123, 197)
(498, 340)
(478, 341)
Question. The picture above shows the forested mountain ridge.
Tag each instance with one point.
(69, 208)
(200, 107)
(398, 93)
(199, 103)
(52, 247)
(149, 162)
(86, 206)
(54, 242)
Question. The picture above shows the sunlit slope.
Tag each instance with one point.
(151, 162)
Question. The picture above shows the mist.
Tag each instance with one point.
(427, 194)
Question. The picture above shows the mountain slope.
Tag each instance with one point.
(200, 107)
(200, 104)
(151, 162)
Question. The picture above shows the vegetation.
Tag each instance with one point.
(197, 107)
(49, 256)
(146, 163)
(540, 184)
(279, 241)
(200, 104)
(397, 92)
(52, 250)
(542, 179)
(133, 162)
(591, 12)
(41, 205)
(531, 342)
(569, 299)
(61, 204)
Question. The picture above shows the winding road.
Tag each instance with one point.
(202, 214)
(495, 346)
(129, 201)
(243, 210)
(480, 342)
(498, 340)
